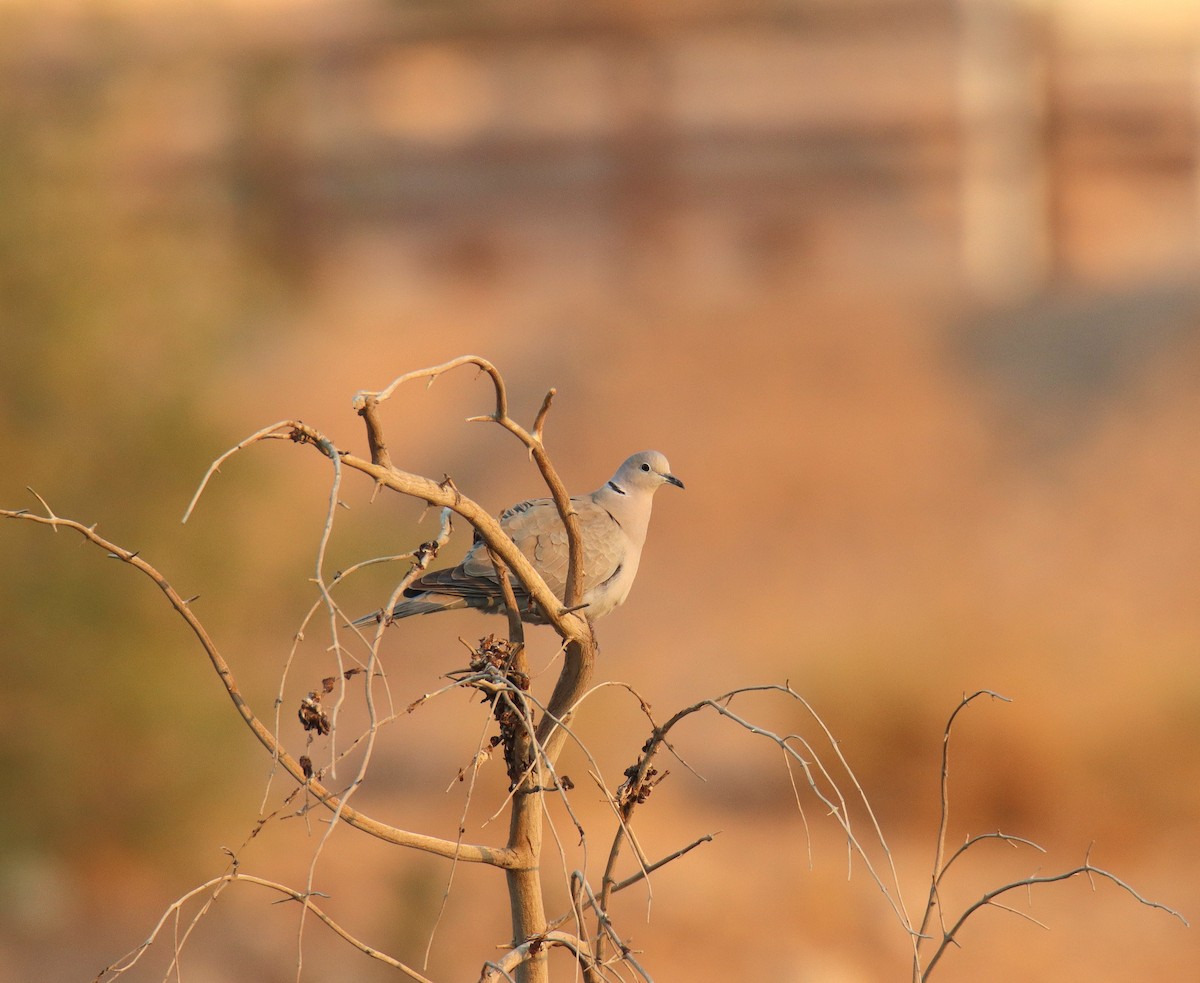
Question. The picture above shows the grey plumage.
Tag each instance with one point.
(612, 524)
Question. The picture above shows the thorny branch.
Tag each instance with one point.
(989, 898)
(944, 820)
(942, 864)
(212, 888)
(640, 780)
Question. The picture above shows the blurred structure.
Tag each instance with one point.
(706, 147)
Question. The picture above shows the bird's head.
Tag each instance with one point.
(645, 471)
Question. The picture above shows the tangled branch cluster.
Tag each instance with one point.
(503, 685)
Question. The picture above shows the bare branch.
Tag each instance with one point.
(493, 971)
(939, 862)
(944, 821)
(497, 856)
(368, 410)
(516, 629)
(214, 887)
(45, 505)
(988, 899)
(606, 930)
(422, 556)
(432, 373)
(1086, 868)
(275, 431)
(539, 422)
(838, 809)
(651, 868)
(368, 689)
(1013, 841)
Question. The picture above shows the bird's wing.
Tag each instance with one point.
(539, 533)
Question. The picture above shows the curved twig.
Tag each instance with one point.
(215, 886)
(1086, 868)
(939, 862)
(266, 433)
(501, 968)
(1014, 841)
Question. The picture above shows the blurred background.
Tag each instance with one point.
(908, 292)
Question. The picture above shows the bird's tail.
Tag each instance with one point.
(421, 604)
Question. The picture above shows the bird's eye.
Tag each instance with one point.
(645, 467)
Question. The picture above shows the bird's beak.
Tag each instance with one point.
(670, 479)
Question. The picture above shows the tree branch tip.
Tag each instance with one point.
(45, 504)
(985, 692)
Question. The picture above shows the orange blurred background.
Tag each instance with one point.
(906, 290)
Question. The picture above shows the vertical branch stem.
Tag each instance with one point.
(939, 855)
(525, 827)
(525, 883)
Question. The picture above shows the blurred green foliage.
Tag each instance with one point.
(113, 317)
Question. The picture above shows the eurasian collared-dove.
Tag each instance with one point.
(612, 523)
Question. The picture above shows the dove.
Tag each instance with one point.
(612, 524)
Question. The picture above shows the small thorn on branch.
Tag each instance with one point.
(448, 484)
(45, 505)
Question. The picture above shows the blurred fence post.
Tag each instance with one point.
(1006, 236)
